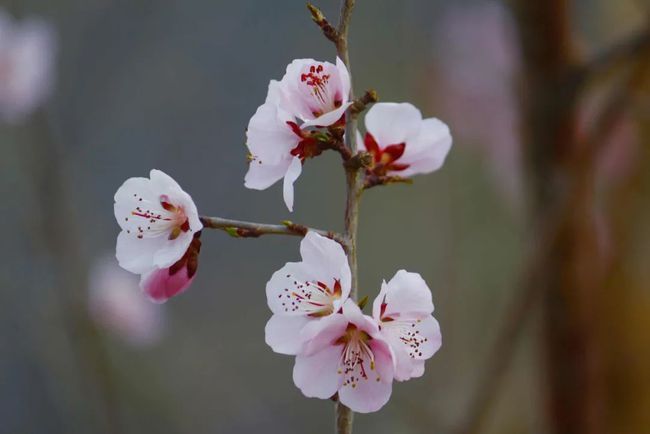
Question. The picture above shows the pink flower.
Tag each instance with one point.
(163, 283)
(403, 310)
(160, 228)
(312, 93)
(402, 143)
(27, 51)
(345, 353)
(303, 292)
(117, 305)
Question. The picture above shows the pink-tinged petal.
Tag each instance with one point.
(412, 343)
(406, 293)
(393, 123)
(327, 261)
(427, 152)
(160, 286)
(282, 333)
(268, 137)
(322, 332)
(371, 393)
(317, 375)
(328, 118)
(293, 172)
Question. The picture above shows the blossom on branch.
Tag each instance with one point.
(281, 134)
(160, 229)
(345, 353)
(403, 310)
(401, 142)
(27, 51)
(302, 292)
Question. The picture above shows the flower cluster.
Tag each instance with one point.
(304, 114)
(338, 349)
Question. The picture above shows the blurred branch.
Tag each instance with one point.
(518, 311)
(617, 104)
(242, 229)
(615, 55)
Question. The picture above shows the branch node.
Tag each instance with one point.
(328, 30)
(373, 180)
(359, 160)
(359, 105)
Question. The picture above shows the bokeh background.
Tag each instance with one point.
(171, 84)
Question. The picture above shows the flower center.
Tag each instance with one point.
(406, 331)
(385, 160)
(172, 220)
(357, 358)
(317, 84)
(316, 299)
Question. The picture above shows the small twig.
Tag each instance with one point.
(360, 104)
(360, 160)
(373, 180)
(328, 30)
(242, 229)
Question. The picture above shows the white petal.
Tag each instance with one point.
(317, 375)
(427, 152)
(328, 118)
(135, 254)
(283, 283)
(282, 333)
(274, 94)
(327, 259)
(293, 172)
(393, 123)
(409, 359)
(170, 251)
(268, 136)
(407, 293)
(261, 175)
(344, 79)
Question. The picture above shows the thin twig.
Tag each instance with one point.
(242, 229)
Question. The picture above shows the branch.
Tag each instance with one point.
(374, 180)
(615, 55)
(360, 104)
(241, 229)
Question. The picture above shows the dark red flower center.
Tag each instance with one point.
(385, 159)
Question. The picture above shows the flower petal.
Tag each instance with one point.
(293, 172)
(372, 393)
(160, 286)
(328, 118)
(393, 123)
(282, 333)
(316, 375)
(427, 152)
(406, 293)
(327, 260)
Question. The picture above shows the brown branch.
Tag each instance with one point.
(360, 104)
(242, 229)
(328, 30)
(617, 54)
(373, 180)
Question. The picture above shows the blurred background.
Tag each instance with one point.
(533, 237)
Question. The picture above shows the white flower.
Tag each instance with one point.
(27, 51)
(302, 292)
(160, 225)
(403, 310)
(313, 93)
(345, 353)
(402, 143)
(116, 304)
